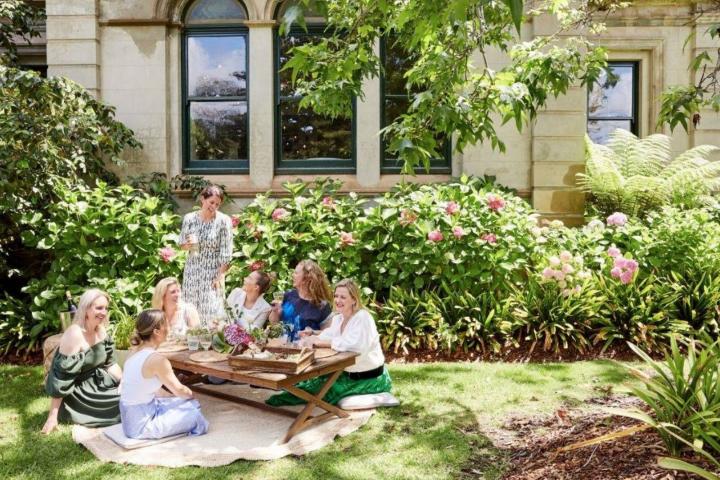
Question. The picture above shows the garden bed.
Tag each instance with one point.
(532, 445)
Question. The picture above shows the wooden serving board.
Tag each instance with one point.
(275, 366)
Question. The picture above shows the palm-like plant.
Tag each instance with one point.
(635, 176)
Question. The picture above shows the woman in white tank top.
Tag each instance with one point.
(179, 315)
(146, 410)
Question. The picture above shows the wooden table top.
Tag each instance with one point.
(276, 381)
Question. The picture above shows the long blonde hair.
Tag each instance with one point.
(316, 283)
(158, 299)
(86, 301)
(353, 290)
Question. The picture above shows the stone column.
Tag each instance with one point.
(73, 45)
(261, 100)
(367, 136)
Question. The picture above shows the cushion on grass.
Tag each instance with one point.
(370, 400)
(115, 433)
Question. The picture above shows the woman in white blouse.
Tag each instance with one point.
(180, 316)
(247, 305)
(353, 330)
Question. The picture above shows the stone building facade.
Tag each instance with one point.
(135, 55)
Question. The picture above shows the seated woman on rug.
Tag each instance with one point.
(352, 330)
(179, 315)
(84, 376)
(247, 305)
(148, 411)
(306, 305)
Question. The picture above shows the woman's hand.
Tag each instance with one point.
(307, 332)
(307, 341)
(274, 315)
(52, 421)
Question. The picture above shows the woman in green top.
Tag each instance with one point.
(84, 377)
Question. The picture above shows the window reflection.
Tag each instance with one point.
(612, 102)
(216, 66)
(305, 135)
(218, 130)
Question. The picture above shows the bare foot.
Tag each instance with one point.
(50, 425)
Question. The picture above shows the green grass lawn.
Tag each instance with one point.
(434, 434)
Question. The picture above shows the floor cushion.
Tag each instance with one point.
(370, 400)
(115, 433)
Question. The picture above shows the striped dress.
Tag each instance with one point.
(215, 249)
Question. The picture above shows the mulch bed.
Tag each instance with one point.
(532, 444)
(520, 354)
(34, 357)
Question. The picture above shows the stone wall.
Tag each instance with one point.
(128, 54)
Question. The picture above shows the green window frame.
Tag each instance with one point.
(602, 116)
(313, 164)
(214, 29)
(391, 165)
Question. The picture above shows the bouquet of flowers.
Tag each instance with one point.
(231, 338)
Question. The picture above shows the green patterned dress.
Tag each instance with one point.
(89, 393)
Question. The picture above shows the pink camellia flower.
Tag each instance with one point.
(435, 236)
(256, 265)
(548, 273)
(458, 231)
(328, 202)
(235, 221)
(489, 238)
(626, 277)
(279, 214)
(167, 254)
(566, 257)
(407, 217)
(495, 202)
(346, 238)
(618, 219)
(452, 208)
(616, 272)
(614, 251)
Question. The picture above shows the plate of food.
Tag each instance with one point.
(273, 359)
(169, 347)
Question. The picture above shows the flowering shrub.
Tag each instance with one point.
(111, 238)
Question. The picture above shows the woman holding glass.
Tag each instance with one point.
(353, 330)
(308, 304)
(84, 376)
(179, 315)
(250, 310)
(207, 235)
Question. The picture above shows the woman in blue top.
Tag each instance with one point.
(306, 305)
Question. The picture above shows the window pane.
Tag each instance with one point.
(205, 10)
(218, 130)
(216, 66)
(600, 130)
(308, 135)
(286, 44)
(396, 65)
(612, 97)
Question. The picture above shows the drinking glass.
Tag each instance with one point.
(194, 245)
(193, 342)
(205, 341)
(278, 296)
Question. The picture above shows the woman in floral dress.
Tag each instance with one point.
(207, 235)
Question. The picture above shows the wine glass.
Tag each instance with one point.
(206, 341)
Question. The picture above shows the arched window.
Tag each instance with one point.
(215, 87)
(395, 100)
(306, 141)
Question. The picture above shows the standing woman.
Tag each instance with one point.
(179, 315)
(147, 410)
(353, 330)
(207, 235)
(308, 304)
(84, 376)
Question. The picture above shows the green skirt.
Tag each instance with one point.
(343, 387)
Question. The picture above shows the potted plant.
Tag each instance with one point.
(121, 330)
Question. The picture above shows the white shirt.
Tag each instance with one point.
(360, 336)
(136, 389)
(248, 318)
(182, 319)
